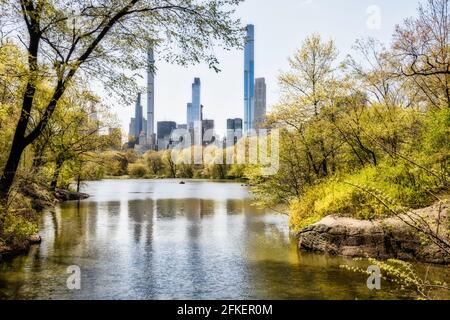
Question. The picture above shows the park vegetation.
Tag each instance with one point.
(375, 122)
(52, 126)
(365, 136)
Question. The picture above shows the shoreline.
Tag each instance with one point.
(59, 196)
(384, 239)
(175, 179)
(388, 238)
(10, 252)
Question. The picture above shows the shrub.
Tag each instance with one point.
(137, 170)
(404, 184)
(17, 223)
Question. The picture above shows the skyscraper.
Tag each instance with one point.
(194, 109)
(208, 135)
(150, 97)
(234, 131)
(165, 129)
(249, 78)
(138, 116)
(260, 102)
(189, 117)
(132, 128)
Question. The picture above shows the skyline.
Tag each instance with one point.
(222, 93)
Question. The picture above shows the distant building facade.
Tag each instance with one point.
(260, 102)
(165, 129)
(208, 131)
(234, 131)
(138, 124)
(138, 118)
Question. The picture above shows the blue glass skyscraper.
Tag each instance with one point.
(194, 109)
(249, 79)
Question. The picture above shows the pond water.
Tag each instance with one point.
(146, 239)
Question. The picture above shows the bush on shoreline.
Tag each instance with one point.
(17, 222)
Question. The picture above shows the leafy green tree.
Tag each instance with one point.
(155, 162)
(66, 41)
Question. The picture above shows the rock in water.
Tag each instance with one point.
(64, 195)
(382, 239)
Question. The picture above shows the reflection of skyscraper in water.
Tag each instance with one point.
(235, 207)
(195, 209)
(141, 214)
(249, 78)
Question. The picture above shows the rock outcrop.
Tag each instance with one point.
(6, 251)
(64, 195)
(382, 239)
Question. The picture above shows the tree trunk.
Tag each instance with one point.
(54, 183)
(12, 164)
(79, 178)
(78, 183)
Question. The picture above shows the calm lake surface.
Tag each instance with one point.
(144, 239)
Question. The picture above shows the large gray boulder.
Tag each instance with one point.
(382, 239)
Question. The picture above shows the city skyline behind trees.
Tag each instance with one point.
(68, 41)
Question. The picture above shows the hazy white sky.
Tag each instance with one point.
(280, 25)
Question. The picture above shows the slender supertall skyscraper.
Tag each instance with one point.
(138, 116)
(260, 102)
(194, 109)
(151, 96)
(249, 79)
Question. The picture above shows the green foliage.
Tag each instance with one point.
(137, 170)
(405, 184)
(154, 162)
(406, 278)
(436, 142)
(17, 222)
(92, 171)
(337, 141)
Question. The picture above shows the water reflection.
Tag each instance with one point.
(205, 241)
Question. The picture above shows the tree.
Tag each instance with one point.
(75, 134)
(102, 40)
(170, 164)
(155, 162)
(376, 76)
(421, 52)
(311, 81)
(308, 87)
